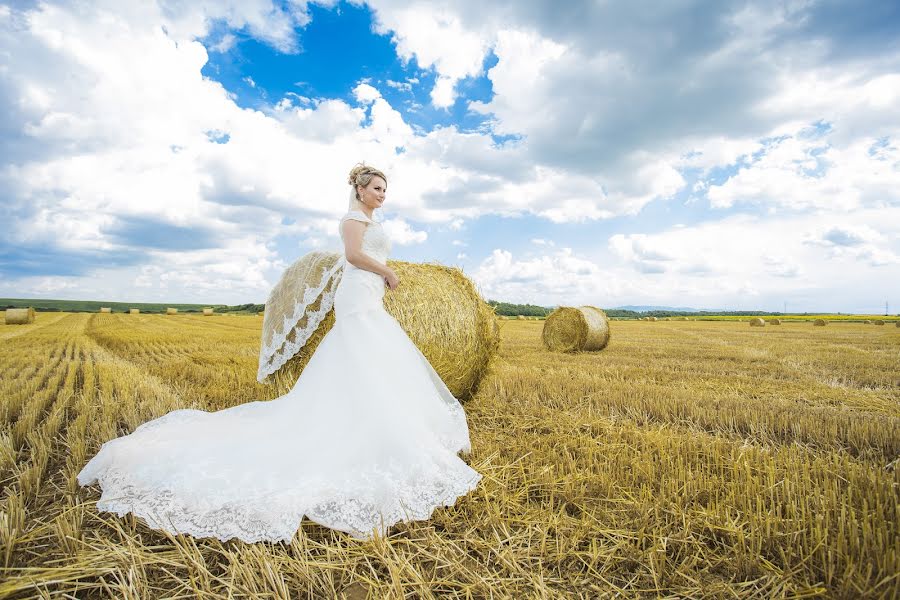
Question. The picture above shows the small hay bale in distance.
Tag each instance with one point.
(757, 322)
(820, 322)
(19, 316)
(134, 311)
(867, 322)
(520, 317)
(171, 311)
(207, 312)
(438, 307)
(105, 309)
(774, 321)
(879, 321)
(897, 323)
(653, 318)
(570, 329)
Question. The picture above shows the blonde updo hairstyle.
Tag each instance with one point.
(361, 174)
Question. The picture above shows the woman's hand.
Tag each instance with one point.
(391, 279)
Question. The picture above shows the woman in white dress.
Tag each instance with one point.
(368, 436)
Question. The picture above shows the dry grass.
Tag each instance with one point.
(688, 459)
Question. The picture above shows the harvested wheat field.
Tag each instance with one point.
(688, 459)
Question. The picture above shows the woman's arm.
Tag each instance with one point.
(353, 235)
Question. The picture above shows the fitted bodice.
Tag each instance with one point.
(359, 289)
(375, 242)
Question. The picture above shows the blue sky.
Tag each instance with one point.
(728, 154)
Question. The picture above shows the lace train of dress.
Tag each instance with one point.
(367, 437)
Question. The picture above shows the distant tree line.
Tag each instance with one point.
(511, 310)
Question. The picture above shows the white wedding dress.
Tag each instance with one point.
(367, 437)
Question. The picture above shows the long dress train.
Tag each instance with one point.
(368, 436)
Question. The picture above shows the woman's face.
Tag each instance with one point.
(373, 194)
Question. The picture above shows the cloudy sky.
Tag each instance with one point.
(739, 155)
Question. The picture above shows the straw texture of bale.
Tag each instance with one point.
(207, 312)
(879, 322)
(569, 329)
(105, 309)
(757, 322)
(441, 311)
(19, 316)
(820, 322)
(774, 321)
(134, 311)
(171, 311)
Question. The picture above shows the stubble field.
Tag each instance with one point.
(688, 459)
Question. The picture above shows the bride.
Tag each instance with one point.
(368, 436)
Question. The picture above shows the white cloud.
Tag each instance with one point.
(113, 135)
(560, 277)
(801, 174)
(400, 232)
(435, 38)
(365, 93)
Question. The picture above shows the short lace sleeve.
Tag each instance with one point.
(353, 215)
(356, 215)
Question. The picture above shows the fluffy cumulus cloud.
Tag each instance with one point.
(740, 262)
(557, 276)
(775, 123)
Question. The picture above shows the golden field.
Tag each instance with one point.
(687, 459)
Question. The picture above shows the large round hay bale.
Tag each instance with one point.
(19, 316)
(105, 309)
(774, 321)
(520, 317)
(653, 318)
(134, 311)
(898, 324)
(879, 322)
(207, 312)
(171, 311)
(757, 322)
(438, 307)
(569, 329)
(820, 322)
(868, 321)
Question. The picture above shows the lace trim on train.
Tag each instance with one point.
(278, 519)
(273, 356)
